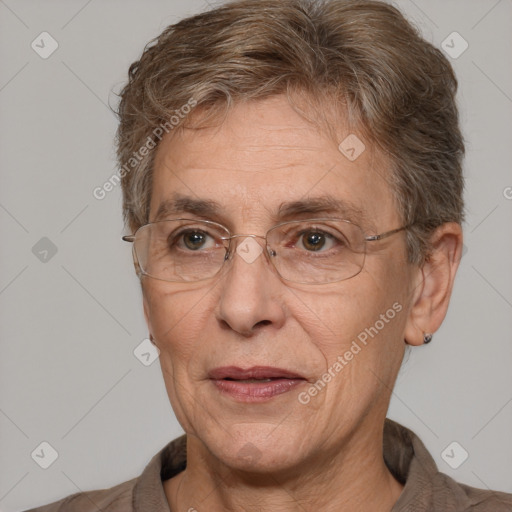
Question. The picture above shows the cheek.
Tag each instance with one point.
(176, 317)
(360, 321)
(333, 319)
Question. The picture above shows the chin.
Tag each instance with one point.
(257, 451)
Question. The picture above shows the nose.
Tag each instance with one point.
(251, 291)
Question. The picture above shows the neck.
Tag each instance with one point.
(355, 478)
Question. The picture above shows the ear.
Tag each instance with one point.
(434, 283)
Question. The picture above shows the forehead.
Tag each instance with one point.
(264, 161)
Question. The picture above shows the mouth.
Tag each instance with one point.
(256, 384)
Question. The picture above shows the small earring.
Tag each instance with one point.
(427, 338)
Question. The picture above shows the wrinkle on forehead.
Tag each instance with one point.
(261, 155)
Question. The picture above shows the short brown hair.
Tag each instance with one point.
(395, 86)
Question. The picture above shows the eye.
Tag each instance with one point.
(315, 240)
(193, 240)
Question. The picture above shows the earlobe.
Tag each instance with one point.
(431, 294)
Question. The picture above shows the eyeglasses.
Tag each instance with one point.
(313, 251)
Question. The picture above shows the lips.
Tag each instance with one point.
(256, 384)
(254, 373)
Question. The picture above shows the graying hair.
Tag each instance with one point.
(398, 89)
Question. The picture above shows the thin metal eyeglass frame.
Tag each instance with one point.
(269, 250)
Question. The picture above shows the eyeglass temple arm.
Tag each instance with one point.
(373, 238)
(128, 238)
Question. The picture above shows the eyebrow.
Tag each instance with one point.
(320, 205)
(184, 204)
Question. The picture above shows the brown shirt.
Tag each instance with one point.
(426, 490)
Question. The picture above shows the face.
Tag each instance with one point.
(335, 349)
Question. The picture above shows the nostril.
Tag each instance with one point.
(262, 323)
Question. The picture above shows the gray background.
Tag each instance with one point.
(69, 325)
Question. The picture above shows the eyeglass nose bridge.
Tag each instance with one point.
(231, 250)
(246, 236)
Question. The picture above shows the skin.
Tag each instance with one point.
(326, 454)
